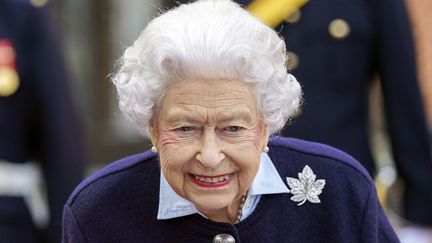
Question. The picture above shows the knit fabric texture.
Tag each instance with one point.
(120, 202)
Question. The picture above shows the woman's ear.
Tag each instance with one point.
(265, 135)
(154, 133)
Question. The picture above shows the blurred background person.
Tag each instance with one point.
(41, 154)
(348, 44)
(420, 12)
(421, 18)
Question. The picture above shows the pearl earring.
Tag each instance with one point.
(154, 149)
(266, 149)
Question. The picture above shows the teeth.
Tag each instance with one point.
(211, 180)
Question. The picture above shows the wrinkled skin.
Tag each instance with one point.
(210, 129)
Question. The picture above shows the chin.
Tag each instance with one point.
(211, 202)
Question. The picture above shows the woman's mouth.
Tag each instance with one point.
(211, 181)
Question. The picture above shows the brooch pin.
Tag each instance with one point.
(306, 188)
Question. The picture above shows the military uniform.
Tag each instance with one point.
(37, 123)
(335, 48)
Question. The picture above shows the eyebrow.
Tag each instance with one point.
(243, 114)
(176, 114)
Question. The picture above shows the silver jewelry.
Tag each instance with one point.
(266, 149)
(154, 149)
(306, 188)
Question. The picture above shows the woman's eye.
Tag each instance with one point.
(185, 129)
(233, 128)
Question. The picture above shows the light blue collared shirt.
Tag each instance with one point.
(267, 181)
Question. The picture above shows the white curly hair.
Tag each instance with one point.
(207, 39)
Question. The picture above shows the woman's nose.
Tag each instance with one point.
(210, 154)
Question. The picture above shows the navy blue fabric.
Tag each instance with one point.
(38, 122)
(336, 76)
(119, 204)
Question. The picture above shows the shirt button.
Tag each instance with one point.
(339, 29)
(223, 238)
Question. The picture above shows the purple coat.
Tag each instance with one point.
(120, 203)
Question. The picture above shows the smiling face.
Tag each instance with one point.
(210, 137)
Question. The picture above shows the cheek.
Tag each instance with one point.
(174, 152)
(248, 171)
(166, 139)
(256, 136)
(169, 139)
(250, 137)
(173, 174)
(248, 158)
(250, 164)
(165, 154)
(169, 145)
(172, 167)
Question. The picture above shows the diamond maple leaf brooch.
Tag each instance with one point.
(306, 188)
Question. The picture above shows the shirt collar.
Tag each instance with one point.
(267, 181)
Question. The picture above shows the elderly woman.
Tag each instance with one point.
(208, 84)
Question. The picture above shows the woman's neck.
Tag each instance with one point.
(230, 214)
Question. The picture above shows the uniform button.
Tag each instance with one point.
(38, 3)
(223, 238)
(7, 54)
(293, 60)
(294, 17)
(9, 81)
(339, 29)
